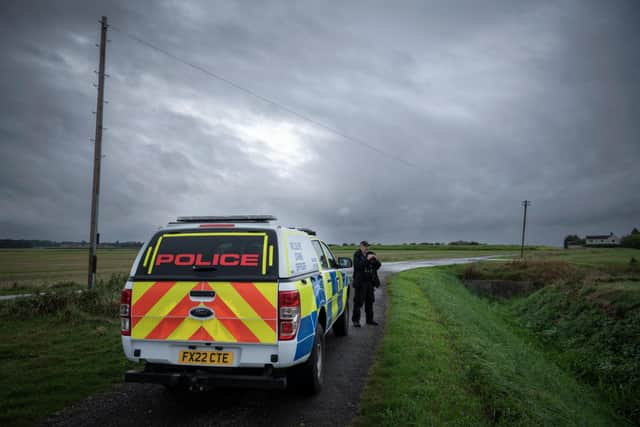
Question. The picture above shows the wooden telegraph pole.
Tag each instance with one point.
(525, 203)
(95, 194)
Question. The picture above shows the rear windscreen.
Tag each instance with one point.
(210, 256)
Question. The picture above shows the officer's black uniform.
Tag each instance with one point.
(364, 279)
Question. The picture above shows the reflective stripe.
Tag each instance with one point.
(264, 254)
(155, 253)
(201, 335)
(307, 298)
(147, 321)
(174, 319)
(146, 258)
(243, 312)
(241, 308)
(259, 303)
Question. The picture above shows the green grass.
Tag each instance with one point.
(57, 349)
(587, 316)
(450, 358)
(588, 257)
(592, 330)
(391, 255)
(28, 270)
(418, 377)
(49, 363)
(443, 247)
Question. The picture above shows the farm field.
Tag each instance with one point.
(587, 257)
(387, 255)
(28, 270)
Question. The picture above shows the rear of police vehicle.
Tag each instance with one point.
(203, 308)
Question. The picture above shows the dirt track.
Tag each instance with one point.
(347, 364)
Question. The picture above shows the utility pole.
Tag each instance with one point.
(95, 194)
(525, 203)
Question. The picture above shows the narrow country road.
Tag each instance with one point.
(347, 365)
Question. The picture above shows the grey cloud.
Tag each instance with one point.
(493, 102)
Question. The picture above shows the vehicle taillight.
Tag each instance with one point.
(125, 312)
(289, 314)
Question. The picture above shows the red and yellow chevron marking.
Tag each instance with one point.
(244, 312)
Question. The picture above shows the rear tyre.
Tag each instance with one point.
(309, 377)
(341, 325)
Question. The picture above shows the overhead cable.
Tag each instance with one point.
(262, 97)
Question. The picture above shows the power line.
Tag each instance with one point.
(262, 97)
(94, 237)
(525, 204)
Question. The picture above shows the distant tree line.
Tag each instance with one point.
(456, 243)
(19, 244)
(24, 244)
(631, 240)
(573, 240)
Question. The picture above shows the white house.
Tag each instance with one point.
(603, 240)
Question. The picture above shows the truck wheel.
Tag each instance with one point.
(309, 377)
(341, 325)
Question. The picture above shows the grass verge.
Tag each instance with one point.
(450, 358)
(419, 378)
(587, 317)
(56, 349)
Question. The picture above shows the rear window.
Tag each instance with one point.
(197, 255)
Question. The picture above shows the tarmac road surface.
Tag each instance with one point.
(347, 363)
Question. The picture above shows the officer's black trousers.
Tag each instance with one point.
(363, 294)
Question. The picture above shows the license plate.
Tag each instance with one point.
(206, 357)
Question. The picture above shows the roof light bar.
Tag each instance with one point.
(309, 231)
(226, 219)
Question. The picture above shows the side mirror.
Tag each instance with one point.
(345, 262)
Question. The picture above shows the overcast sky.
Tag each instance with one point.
(476, 105)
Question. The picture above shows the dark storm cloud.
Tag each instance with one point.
(491, 102)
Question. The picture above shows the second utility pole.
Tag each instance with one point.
(95, 194)
(525, 203)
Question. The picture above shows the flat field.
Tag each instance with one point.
(588, 257)
(391, 255)
(24, 270)
(28, 270)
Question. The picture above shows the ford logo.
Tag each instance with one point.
(201, 313)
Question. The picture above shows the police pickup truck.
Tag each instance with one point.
(233, 301)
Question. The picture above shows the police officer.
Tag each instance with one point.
(365, 267)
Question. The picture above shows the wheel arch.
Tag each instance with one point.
(322, 318)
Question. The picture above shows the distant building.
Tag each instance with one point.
(602, 240)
